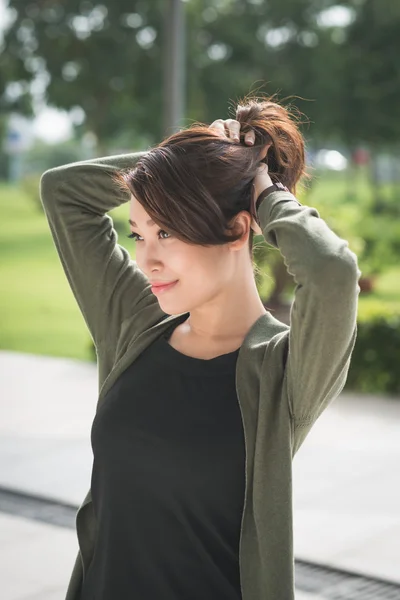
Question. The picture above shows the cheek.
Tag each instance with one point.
(180, 263)
(201, 273)
(204, 267)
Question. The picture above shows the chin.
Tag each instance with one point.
(173, 308)
(173, 311)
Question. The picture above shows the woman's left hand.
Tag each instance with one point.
(230, 128)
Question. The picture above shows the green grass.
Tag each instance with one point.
(38, 313)
(344, 213)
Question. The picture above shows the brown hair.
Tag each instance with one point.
(195, 181)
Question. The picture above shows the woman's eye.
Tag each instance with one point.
(133, 236)
(136, 236)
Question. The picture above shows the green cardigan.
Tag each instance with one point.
(285, 376)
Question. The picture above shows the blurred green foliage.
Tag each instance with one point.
(376, 357)
(375, 238)
(44, 156)
(106, 61)
(38, 313)
(338, 58)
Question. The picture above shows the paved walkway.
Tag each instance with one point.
(346, 477)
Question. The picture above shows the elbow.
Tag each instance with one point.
(47, 186)
(349, 265)
(341, 271)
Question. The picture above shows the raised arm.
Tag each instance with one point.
(106, 282)
(323, 319)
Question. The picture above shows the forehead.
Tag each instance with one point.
(137, 213)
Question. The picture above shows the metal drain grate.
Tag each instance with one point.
(333, 584)
(325, 582)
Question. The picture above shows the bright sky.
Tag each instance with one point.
(52, 125)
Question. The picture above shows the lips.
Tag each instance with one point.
(161, 283)
(159, 288)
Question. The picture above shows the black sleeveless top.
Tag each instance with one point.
(168, 480)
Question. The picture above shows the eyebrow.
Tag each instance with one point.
(149, 222)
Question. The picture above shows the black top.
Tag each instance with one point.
(169, 461)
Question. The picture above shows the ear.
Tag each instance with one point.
(242, 224)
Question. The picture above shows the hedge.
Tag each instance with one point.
(375, 363)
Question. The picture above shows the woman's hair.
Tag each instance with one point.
(195, 181)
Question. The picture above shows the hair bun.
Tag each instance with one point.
(273, 123)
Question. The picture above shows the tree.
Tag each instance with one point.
(371, 82)
(371, 76)
(108, 60)
(102, 59)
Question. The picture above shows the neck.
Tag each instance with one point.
(228, 316)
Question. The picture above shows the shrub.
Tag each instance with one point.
(376, 357)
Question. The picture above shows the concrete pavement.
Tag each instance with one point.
(36, 559)
(346, 476)
(39, 559)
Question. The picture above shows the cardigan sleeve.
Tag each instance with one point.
(323, 318)
(107, 284)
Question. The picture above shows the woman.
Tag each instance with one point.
(204, 397)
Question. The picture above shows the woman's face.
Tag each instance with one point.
(201, 273)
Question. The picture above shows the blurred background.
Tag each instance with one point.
(82, 79)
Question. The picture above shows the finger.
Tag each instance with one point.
(255, 227)
(250, 137)
(233, 128)
(219, 125)
(264, 151)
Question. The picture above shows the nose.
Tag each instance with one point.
(149, 258)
